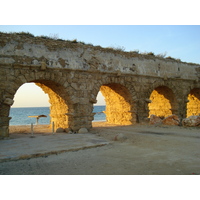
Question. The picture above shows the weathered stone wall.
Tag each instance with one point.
(26, 50)
(58, 108)
(72, 74)
(162, 100)
(193, 105)
(118, 104)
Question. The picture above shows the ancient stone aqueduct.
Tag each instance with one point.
(134, 85)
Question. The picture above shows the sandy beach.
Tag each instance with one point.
(133, 150)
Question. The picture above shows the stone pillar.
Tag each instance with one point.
(58, 111)
(142, 110)
(5, 103)
(4, 120)
(60, 120)
(182, 108)
(4, 126)
(81, 117)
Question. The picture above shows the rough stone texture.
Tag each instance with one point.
(191, 121)
(135, 86)
(171, 120)
(8, 101)
(58, 108)
(161, 100)
(120, 137)
(60, 130)
(83, 130)
(118, 107)
(155, 120)
(67, 130)
(193, 105)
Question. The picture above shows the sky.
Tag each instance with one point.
(178, 41)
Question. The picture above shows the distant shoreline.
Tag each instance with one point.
(20, 115)
(49, 123)
(43, 106)
(41, 128)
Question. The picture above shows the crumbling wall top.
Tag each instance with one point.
(26, 49)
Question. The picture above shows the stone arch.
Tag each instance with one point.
(160, 83)
(193, 104)
(58, 91)
(59, 107)
(120, 107)
(163, 102)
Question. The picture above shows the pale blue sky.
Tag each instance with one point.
(181, 42)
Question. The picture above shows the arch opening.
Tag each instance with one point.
(59, 106)
(29, 100)
(99, 108)
(162, 102)
(193, 105)
(118, 104)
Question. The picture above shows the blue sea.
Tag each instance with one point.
(20, 115)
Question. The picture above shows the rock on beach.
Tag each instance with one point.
(59, 130)
(83, 130)
(155, 119)
(120, 137)
(191, 121)
(171, 120)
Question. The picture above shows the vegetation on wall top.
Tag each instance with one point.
(52, 38)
